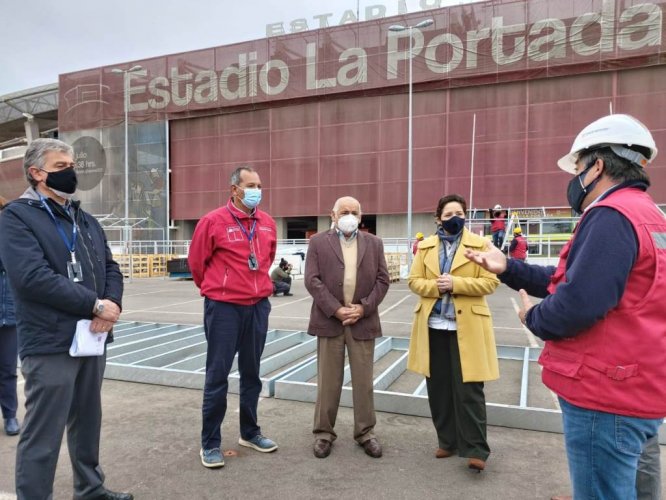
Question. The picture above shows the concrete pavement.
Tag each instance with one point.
(150, 436)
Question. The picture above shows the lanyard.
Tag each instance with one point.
(70, 246)
(249, 235)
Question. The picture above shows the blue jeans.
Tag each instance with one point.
(603, 451)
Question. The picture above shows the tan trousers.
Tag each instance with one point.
(331, 364)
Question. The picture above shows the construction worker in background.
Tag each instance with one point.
(498, 225)
(518, 247)
(415, 246)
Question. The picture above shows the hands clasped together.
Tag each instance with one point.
(349, 314)
(104, 321)
(445, 283)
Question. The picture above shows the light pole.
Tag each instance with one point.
(397, 28)
(125, 73)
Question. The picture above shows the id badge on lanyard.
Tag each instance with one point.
(74, 269)
(252, 261)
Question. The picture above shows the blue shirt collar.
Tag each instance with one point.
(342, 236)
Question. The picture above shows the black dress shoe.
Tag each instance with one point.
(322, 448)
(287, 294)
(372, 448)
(112, 495)
(12, 426)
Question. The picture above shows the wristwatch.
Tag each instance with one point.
(99, 307)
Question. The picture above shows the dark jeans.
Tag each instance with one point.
(231, 329)
(648, 476)
(8, 355)
(60, 391)
(458, 409)
(281, 287)
(498, 238)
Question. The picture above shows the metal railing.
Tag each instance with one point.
(539, 246)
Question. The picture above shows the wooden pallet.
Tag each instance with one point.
(393, 265)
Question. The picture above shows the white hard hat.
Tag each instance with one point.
(612, 130)
(497, 207)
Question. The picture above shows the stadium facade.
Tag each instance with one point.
(500, 87)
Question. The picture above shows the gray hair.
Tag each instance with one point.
(336, 207)
(236, 174)
(37, 150)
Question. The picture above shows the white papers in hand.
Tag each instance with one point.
(85, 342)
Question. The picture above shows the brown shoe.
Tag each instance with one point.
(476, 464)
(322, 448)
(372, 448)
(442, 453)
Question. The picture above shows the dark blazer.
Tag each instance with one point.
(48, 304)
(324, 273)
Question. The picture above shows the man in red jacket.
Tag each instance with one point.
(232, 250)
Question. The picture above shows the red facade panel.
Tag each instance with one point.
(294, 143)
(12, 178)
(516, 145)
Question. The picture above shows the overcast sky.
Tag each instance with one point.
(41, 39)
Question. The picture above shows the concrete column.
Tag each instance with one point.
(323, 223)
(31, 129)
(281, 228)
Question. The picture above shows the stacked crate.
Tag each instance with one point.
(158, 265)
(140, 265)
(393, 264)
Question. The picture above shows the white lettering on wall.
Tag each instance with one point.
(280, 66)
(137, 90)
(499, 31)
(394, 55)
(355, 71)
(457, 50)
(651, 26)
(589, 35)
(538, 50)
(206, 87)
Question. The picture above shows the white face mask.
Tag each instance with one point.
(348, 223)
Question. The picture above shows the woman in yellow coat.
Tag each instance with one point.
(452, 340)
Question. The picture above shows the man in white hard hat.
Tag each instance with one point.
(498, 225)
(602, 314)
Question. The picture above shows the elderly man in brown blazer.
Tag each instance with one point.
(346, 274)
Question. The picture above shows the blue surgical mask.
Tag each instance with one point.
(251, 197)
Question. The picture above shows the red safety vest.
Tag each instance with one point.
(618, 365)
(520, 251)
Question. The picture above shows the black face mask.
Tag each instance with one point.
(64, 181)
(453, 225)
(576, 191)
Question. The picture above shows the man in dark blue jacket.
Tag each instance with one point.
(61, 271)
(8, 399)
